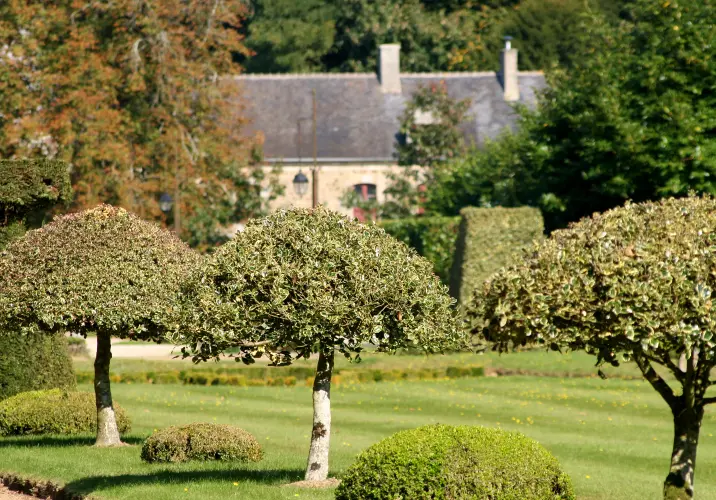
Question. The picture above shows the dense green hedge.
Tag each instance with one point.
(53, 412)
(488, 240)
(201, 441)
(27, 189)
(433, 237)
(285, 376)
(33, 362)
(445, 462)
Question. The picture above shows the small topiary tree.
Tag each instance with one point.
(102, 270)
(443, 462)
(304, 282)
(632, 284)
(201, 441)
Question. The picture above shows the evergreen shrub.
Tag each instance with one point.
(488, 240)
(54, 411)
(201, 441)
(445, 462)
(434, 238)
(28, 188)
(33, 362)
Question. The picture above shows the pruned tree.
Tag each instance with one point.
(303, 282)
(632, 284)
(102, 271)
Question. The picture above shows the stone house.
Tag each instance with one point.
(357, 120)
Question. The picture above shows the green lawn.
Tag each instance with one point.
(533, 361)
(612, 436)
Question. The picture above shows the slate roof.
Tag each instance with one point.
(356, 121)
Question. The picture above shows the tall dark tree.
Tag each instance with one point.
(288, 35)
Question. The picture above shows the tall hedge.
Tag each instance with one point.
(488, 240)
(34, 362)
(28, 188)
(434, 238)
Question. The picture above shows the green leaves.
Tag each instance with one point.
(306, 280)
(636, 279)
(102, 270)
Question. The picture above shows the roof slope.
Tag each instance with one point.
(355, 120)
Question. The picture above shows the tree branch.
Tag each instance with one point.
(678, 373)
(658, 383)
(708, 401)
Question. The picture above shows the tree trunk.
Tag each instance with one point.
(679, 484)
(317, 468)
(107, 431)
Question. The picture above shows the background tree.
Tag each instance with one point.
(435, 35)
(102, 271)
(498, 173)
(128, 93)
(635, 116)
(305, 282)
(287, 36)
(632, 284)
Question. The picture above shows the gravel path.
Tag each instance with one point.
(144, 350)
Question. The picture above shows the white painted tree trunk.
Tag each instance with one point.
(107, 430)
(317, 468)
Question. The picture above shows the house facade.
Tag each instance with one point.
(357, 120)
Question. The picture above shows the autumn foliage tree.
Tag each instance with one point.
(129, 94)
(633, 284)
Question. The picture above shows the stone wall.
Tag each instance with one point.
(333, 181)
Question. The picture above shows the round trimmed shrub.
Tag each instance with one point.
(54, 412)
(445, 462)
(201, 441)
(34, 362)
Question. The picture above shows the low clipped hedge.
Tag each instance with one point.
(34, 362)
(434, 238)
(54, 412)
(488, 240)
(445, 462)
(201, 441)
(285, 376)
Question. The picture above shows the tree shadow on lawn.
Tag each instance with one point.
(88, 485)
(58, 441)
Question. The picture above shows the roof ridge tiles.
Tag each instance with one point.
(336, 76)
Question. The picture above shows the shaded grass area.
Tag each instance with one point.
(613, 437)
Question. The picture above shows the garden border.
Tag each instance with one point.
(40, 488)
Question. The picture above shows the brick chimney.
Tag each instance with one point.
(508, 72)
(389, 68)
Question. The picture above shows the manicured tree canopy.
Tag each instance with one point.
(311, 281)
(633, 283)
(102, 270)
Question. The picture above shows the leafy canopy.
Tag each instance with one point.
(303, 281)
(102, 270)
(128, 93)
(635, 116)
(632, 283)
